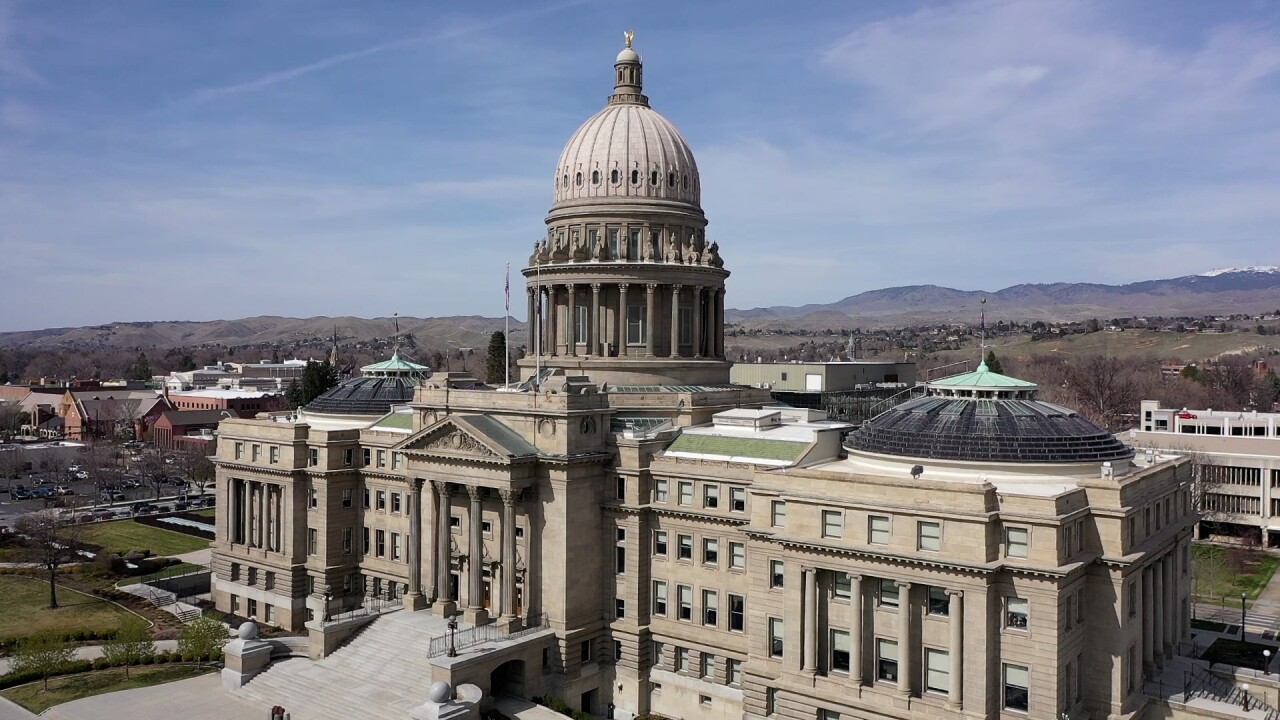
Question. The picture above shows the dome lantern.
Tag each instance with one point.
(628, 76)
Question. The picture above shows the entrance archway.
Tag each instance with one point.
(508, 679)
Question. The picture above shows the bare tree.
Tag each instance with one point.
(51, 541)
(1105, 388)
(154, 470)
(12, 462)
(197, 468)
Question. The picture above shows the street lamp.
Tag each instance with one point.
(1266, 662)
(1244, 702)
(453, 627)
(1242, 616)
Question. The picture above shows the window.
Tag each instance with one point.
(684, 602)
(622, 534)
(313, 540)
(658, 654)
(686, 326)
(886, 660)
(842, 585)
(365, 457)
(273, 456)
(878, 530)
(733, 671)
(1015, 687)
(595, 177)
(365, 544)
(776, 577)
(682, 659)
(239, 450)
(775, 637)
(1015, 542)
(395, 546)
(737, 613)
(613, 176)
(617, 649)
(313, 457)
(889, 593)
(839, 651)
(778, 514)
(455, 522)
(580, 313)
(709, 608)
(382, 458)
(1017, 611)
(257, 452)
(270, 614)
(313, 498)
(828, 715)
(684, 547)
(349, 457)
(620, 489)
(1132, 599)
(366, 498)
(710, 551)
(584, 650)
(737, 499)
(937, 670)
(346, 541)
(832, 523)
(710, 495)
(382, 499)
(737, 556)
(633, 245)
(619, 608)
(929, 536)
(620, 559)
(395, 502)
(686, 493)
(660, 597)
(346, 497)
(637, 329)
(939, 602)
(380, 546)
(660, 491)
(770, 701)
(706, 666)
(660, 543)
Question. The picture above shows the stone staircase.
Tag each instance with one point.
(381, 672)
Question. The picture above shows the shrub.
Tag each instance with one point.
(202, 637)
(101, 663)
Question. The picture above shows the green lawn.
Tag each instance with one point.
(122, 536)
(206, 512)
(1222, 572)
(171, 571)
(26, 609)
(35, 698)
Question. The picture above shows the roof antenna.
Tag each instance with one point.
(396, 338)
(982, 346)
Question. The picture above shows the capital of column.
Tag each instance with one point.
(902, 585)
(624, 286)
(442, 488)
(651, 288)
(956, 593)
(416, 483)
(595, 288)
(509, 497)
(675, 289)
(475, 492)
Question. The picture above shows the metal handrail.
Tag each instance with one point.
(1201, 683)
(479, 634)
(371, 606)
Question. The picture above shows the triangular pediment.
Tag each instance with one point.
(474, 436)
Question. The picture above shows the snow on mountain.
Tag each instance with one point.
(1271, 269)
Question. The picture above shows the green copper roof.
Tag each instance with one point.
(758, 448)
(395, 421)
(982, 377)
(395, 364)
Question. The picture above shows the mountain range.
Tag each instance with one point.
(1254, 289)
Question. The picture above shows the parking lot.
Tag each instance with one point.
(84, 496)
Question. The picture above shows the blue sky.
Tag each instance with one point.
(201, 160)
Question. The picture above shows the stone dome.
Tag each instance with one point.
(440, 692)
(627, 150)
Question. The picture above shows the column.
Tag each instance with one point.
(955, 611)
(414, 599)
(905, 653)
(553, 324)
(698, 340)
(593, 322)
(571, 327)
(855, 630)
(675, 321)
(809, 621)
(532, 319)
(262, 514)
(718, 323)
(1157, 611)
(1171, 607)
(509, 557)
(446, 603)
(651, 316)
(1144, 601)
(622, 320)
(475, 614)
(279, 537)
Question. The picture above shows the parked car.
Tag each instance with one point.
(180, 505)
(42, 492)
(73, 469)
(20, 494)
(112, 496)
(63, 490)
(1184, 415)
(129, 482)
(102, 514)
(143, 508)
(82, 475)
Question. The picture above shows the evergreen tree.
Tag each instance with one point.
(141, 369)
(4, 374)
(993, 362)
(294, 394)
(495, 368)
(317, 377)
(186, 363)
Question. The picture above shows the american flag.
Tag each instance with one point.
(508, 288)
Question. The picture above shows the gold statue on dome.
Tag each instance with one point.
(628, 34)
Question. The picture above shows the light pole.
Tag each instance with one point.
(1244, 696)
(453, 627)
(1242, 616)
(1266, 662)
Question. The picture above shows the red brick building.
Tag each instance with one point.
(189, 430)
(246, 403)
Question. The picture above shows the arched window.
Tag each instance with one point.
(635, 177)
(671, 179)
(577, 179)
(686, 182)
(613, 176)
(565, 181)
(595, 177)
(653, 178)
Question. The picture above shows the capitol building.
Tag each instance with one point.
(629, 533)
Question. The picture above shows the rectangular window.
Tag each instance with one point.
(366, 540)
(686, 493)
(775, 637)
(682, 659)
(273, 454)
(395, 502)
(257, 452)
(346, 541)
(346, 497)
(660, 491)
(585, 651)
(313, 541)
(939, 602)
(737, 499)
(239, 450)
(878, 530)
(313, 457)
(580, 315)
(839, 651)
(832, 524)
(349, 457)
(366, 498)
(770, 701)
(886, 660)
(825, 714)
(684, 547)
(737, 613)
(660, 543)
(737, 556)
(633, 245)
(658, 654)
(313, 498)
(684, 602)
(776, 576)
(710, 551)
(617, 650)
(842, 585)
(637, 330)
(380, 546)
(395, 546)
(620, 559)
(1017, 613)
(382, 499)
(1015, 542)
(888, 593)
(710, 495)
(929, 536)
(619, 608)
(620, 488)
(382, 458)
(706, 665)
(733, 671)
(365, 456)
(1015, 687)
(710, 608)
(778, 514)
(660, 597)
(937, 670)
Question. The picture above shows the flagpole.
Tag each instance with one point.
(506, 337)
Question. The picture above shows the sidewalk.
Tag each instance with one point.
(93, 652)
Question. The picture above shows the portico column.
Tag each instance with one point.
(905, 653)
(476, 614)
(571, 326)
(855, 629)
(1171, 608)
(445, 604)
(955, 611)
(553, 322)
(698, 341)
(414, 599)
(593, 322)
(675, 321)
(531, 320)
(718, 322)
(1144, 602)
(509, 558)
(809, 621)
(651, 316)
(622, 320)
(262, 514)
(1157, 612)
